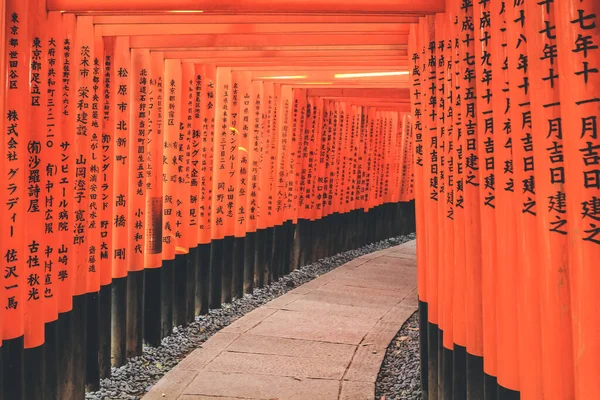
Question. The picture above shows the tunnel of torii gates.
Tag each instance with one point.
(163, 157)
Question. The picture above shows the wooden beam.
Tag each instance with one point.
(350, 92)
(283, 54)
(177, 18)
(283, 65)
(255, 40)
(231, 29)
(302, 68)
(320, 75)
(336, 83)
(257, 6)
(400, 107)
(379, 100)
(395, 63)
(378, 103)
(324, 49)
(348, 85)
(292, 68)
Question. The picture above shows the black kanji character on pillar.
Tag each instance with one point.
(586, 71)
(589, 127)
(582, 20)
(584, 44)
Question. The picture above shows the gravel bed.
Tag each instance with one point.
(400, 376)
(135, 378)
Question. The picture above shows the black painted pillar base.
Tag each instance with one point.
(259, 258)
(249, 262)
(396, 228)
(92, 365)
(412, 216)
(303, 237)
(203, 281)
(343, 232)
(313, 240)
(372, 224)
(440, 364)
(333, 231)
(391, 215)
(135, 313)
(227, 276)
(51, 360)
(332, 234)
(288, 229)
(192, 273)
(490, 386)
(119, 322)
(34, 373)
(333, 226)
(374, 221)
(104, 330)
(340, 232)
(356, 232)
(368, 221)
(424, 354)
(284, 254)
(269, 248)
(348, 228)
(394, 217)
(447, 372)
(167, 275)
(381, 223)
(65, 356)
(459, 373)
(152, 306)
(362, 228)
(239, 257)
(13, 369)
(365, 227)
(507, 394)
(475, 386)
(79, 344)
(180, 290)
(295, 248)
(432, 367)
(277, 257)
(216, 270)
(325, 242)
(388, 217)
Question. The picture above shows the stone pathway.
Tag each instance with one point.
(323, 340)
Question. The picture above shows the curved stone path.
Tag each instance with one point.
(323, 340)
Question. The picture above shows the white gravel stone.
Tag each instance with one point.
(400, 376)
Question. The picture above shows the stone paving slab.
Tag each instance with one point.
(354, 296)
(256, 386)
(272, 364)
(357, 390)
(335, 309)
(292, 347)
(315, 327)
(324, 340)
(401, 255)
